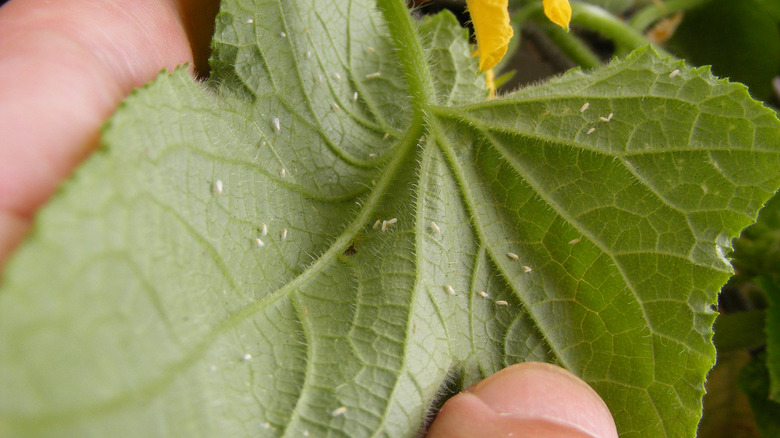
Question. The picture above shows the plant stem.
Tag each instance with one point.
(599, 20)
(571, 46)
(603, 22)
(654, 12)
(410, 53)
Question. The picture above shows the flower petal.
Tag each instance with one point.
(558, 11)
(491, 26)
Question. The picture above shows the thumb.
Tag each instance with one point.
(531, 399)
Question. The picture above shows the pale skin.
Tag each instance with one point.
(64, 67)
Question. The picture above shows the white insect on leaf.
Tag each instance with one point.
(388, 223)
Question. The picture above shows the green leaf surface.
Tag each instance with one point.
(401, 251)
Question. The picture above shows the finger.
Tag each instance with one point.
(528, 399)
(64, 67)
(12, 230)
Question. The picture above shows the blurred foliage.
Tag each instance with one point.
(727, 411)
(756, 260)
(772, 288)
(740, 39)
(616, 6)
(754, 381)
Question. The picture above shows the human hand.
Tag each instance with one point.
(64, 68)
(531, 399)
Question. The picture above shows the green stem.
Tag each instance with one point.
(610, 26)
(410, 53)
(643, 19)
(599, 20)
(572, 46)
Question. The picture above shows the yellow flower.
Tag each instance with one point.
(558, 11)
(490, 19)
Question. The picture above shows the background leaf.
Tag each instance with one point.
(754, 381)
(144, 304)
(773, 337)
(756, 259)
(726, 409)
(740, 39)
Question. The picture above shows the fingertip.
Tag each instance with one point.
(64, 66)
(465, 415)
(528, 399)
